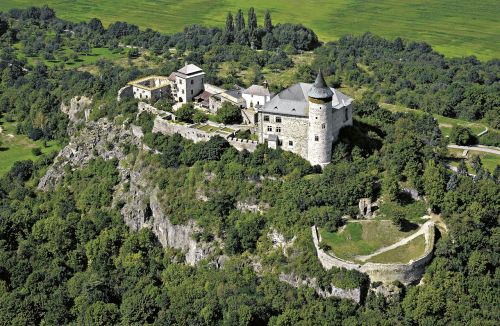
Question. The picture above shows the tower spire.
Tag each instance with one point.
(319, 89)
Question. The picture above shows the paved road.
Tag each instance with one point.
(478, 148)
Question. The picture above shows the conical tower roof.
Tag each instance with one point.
(319, 89)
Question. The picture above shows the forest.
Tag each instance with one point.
(67, 257)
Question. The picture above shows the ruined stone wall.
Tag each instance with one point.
(405, 273)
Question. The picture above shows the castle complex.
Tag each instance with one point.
(304, 118)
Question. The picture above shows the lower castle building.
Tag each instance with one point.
(305, 119)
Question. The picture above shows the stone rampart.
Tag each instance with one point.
(405, 273)
(241, 144)
(196, 135)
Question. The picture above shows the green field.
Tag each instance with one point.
(18, 147)
(363, 238)
(454, 28)
(83, 60)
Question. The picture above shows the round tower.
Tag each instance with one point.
(319, 149)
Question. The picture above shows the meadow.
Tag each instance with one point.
(15, 147)
(455, 28)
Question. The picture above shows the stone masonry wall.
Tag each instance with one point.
(292, 128)
(197, 135)
(405, 273)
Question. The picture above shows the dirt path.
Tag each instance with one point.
(401, 242)
(492, 150)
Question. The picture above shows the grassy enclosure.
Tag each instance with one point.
(402, 254)
(363, 238)
(447, 25)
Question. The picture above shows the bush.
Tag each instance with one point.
(35, 134)
(186, 112)
(462, 136)
(200, 117)
(229, 114)
(36, 151)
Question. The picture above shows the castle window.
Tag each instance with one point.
(323, 126)
(269, 128)
(192, 82)
(278, 119)
(266, 118)
(191, 92)
(278, 129)
(290, 143)
(280, 142)
(346, 115)
(316, 138)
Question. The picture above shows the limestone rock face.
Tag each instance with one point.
(135, 195)
(331, 291)
(78, 111)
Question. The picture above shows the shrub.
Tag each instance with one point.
(36, 151)
(186, 112)
(462, 136)
(229, 114)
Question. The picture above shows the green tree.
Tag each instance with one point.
(268, 24)
(252, 21)
(186, 112)
(434, 179)
(229, 114)
(200, 117)
(462, 136)
(240, 21)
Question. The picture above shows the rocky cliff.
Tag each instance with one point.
(135, 195)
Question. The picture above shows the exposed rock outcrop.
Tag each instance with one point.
(78, 111)
(331, 291)
(100, 138)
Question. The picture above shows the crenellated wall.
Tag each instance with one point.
(197, 135)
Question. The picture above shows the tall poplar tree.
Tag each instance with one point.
(252, 20)
(268, 24)
(229, 23)
(240, 21)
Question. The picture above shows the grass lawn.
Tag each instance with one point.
(207, 128)
(83, 60)
(412, 211)
(449, 26)
(403, 254)
(362, 238)
(490, 161)
(19, 147)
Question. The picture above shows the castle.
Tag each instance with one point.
(304, 118)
